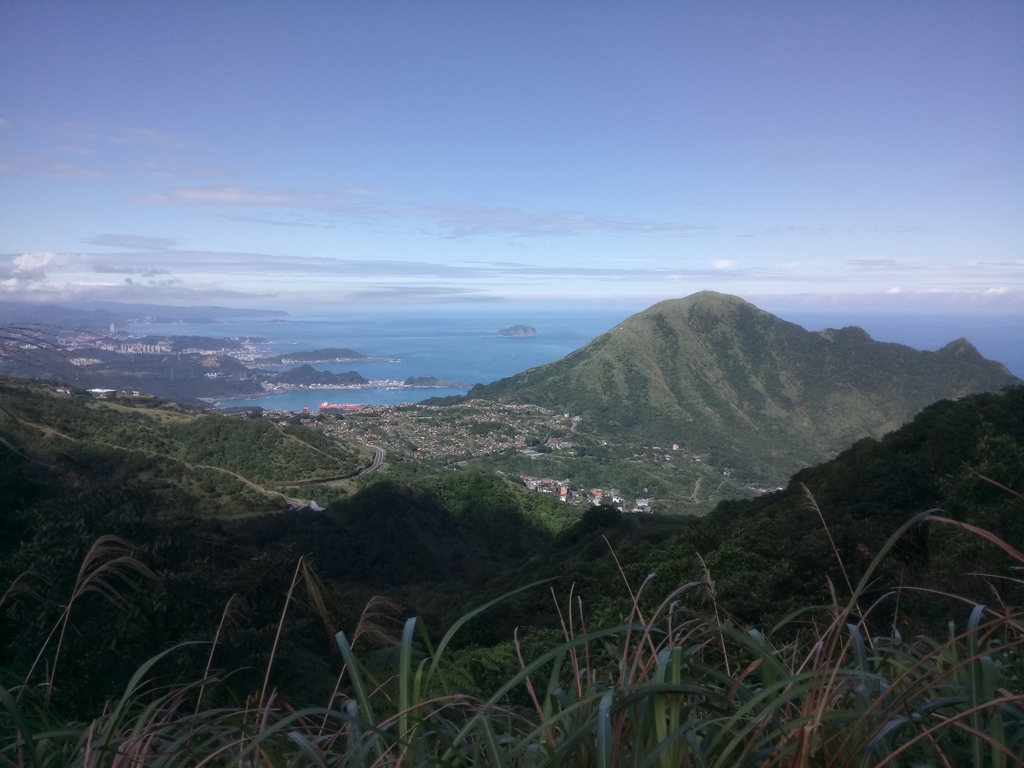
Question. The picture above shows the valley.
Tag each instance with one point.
(511, 385)
(519, 441)
(429, 509)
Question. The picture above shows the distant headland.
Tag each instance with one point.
(430, 381)
(518, 330)
(332, 355)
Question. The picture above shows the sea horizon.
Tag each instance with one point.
(463, 346)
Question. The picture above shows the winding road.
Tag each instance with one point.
(378, 459)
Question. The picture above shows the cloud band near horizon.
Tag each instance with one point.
(159, 269)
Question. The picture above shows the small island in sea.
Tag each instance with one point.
(518, 331)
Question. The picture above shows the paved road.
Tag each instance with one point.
(378, 459)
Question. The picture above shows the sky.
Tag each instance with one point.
(422, 154)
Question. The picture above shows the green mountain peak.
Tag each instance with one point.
(743, 388)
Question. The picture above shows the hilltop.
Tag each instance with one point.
(743, 389)
(307, 375)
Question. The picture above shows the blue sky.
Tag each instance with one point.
(452, 153)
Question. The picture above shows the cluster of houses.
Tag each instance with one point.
(103, 394)
(431, 431)
(159, 348)
(571, 495)
(249, 351)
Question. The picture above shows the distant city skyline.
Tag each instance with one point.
(442, 154)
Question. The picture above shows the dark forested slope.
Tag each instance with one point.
(440, 542)
(220, 464)
(65, 482)
(772, 555)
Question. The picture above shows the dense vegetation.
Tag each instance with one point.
(307, 374)
(743, 388)
(163, 446)
(782, 551)
(456, 528)
(651, 658)
(429, 381)
(668, 690)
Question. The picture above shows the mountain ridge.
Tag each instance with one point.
(727, 380)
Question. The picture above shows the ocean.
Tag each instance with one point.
(453, 347)
(463, 347)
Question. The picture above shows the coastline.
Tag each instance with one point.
(256, 364)
(328, 388)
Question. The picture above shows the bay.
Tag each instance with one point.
(462, 346)
(456, 347)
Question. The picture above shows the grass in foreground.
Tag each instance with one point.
(661, 690)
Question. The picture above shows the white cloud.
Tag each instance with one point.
(32, 262)
(149, 136)
(154, 291)
(225, 195)
(874, 263)
(150, 261)
(453, 219)
(463, 220)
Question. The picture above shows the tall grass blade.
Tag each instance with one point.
(463, 620)
(975, 683)
(603, 754)
(497, 754)
(405, 682)
(355, 675)
(25, 736)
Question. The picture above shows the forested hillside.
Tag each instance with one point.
(307, 374)
(745, 389)
(196, 460)
(421, 541)
(429, 539)
(777, 553)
